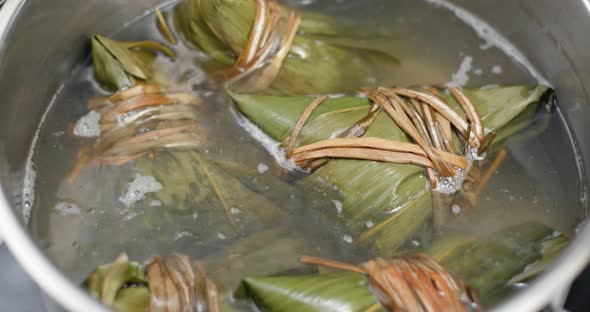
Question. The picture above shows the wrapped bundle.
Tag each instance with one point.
(170, 284)
(139, 120)
(293, 52)
(411, 282)
(174, 283)
(384, 190)
(152, 134)
(188, 195)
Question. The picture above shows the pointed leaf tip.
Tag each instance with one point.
(117, 63)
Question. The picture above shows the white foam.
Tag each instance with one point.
(183, 234)
(262, 168)
(337, 133)
(28, 196)
(67, 209)
(234, 211)
(88, 126)
(299, 51)
(450, 185)
(336, 95)
(491, 37)
(338, 205)
(447, 185)
(138, 188)
(130, 215)
(497, 69)
(347, 238)
(221, 236)
(369, 224)
(303, 2)
(489, 86)
(272, 146)
(461, 77)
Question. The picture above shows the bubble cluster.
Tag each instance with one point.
(272, 146)
(338, 205)
(28, 198)
(262, 168)
(138, 188)
(88, 126)
(347, 238)
(67, 209)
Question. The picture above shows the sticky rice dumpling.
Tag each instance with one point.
(468, 270)
(295, 52)
(281, 149)
(394, 198)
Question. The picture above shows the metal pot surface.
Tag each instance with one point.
(42, 42)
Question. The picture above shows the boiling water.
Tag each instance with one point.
(84, 224)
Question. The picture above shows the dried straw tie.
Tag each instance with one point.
(177, 285)
(427, 119)
(266, 45)
(413, 283)
(117, 144)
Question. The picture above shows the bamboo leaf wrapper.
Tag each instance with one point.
(394, 198)
(320, 59)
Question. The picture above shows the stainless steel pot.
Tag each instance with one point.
(41, 42)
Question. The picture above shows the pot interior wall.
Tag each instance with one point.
(45, 44)
(48, 40)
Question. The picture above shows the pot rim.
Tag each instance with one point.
(546, 289)
(42, 271)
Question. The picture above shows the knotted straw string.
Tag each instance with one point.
(413, 283)
(423, 115)
(123, 113)
(266, 45)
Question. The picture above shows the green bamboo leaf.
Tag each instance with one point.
(277, 115)
(128, 60)
(383, 204)
(133, 299)
(114, 279)
(273, 188)
(266, 253)
(192, 26)
(108, 283)
(327, 292)
(118, 63)
(164, 28)
(108, 70)
(193, 184)
(485, 263)
(488, 264)
(150, 45)
(550, 249)
(374, 44)
(347, 57)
